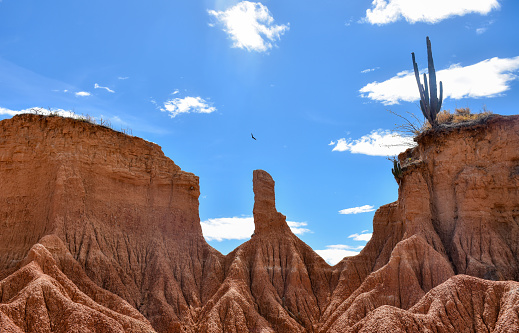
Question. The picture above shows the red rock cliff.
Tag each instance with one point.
(455, 215)
(100, 232)
(119, 218)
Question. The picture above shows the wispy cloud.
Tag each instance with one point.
(123, 77)
(377, 143)
(101, 120)
(369, 70)
(335, 253)
(488, 78)
(484, 28)
(82, 93)
(364, 236)
(250, 26)
(187, 104)
(41, 111)
(389, 11)
(357, 210)
(96, 86)
(226, 228)
(297, 227)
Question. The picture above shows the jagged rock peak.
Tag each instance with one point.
(266, 217)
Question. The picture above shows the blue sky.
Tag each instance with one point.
(313, 81)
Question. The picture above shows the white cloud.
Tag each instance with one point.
(369, 70)
(335, 253)
(101, 120)
(4, 111)
(123, 77)
(401, 87)
(297, 229)
(187, 104)
(83, 93)
(250, 26)
(96, 86)
(377, 143)
(488, 78)
(364, 236)
(357, 210)
(484, 28)
(41, 111)
(224, 228)
(228, 228)
(388, 11)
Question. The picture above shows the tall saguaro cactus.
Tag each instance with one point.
(429, 102)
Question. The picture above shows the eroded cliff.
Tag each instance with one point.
(125, 215)
(100, 232)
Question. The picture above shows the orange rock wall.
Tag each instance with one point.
(100, 232)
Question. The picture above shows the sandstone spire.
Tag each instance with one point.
(266, 217)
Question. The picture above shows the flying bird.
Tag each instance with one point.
(253, 136)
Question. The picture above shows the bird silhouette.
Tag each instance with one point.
(253, 136)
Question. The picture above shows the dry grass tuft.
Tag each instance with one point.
(460, 115)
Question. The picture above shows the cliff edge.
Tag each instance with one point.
(100, 232)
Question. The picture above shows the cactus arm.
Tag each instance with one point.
(426, 89)
(417, 76)
(432, 79)
(424, 110)
(441, 96)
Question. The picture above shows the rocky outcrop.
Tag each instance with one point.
(274, 282)
(39, 297)
(461, 304)
(126, 214)
(100, 232)
(454, 215)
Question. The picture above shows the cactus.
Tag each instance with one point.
(397, 170)
(429, 102)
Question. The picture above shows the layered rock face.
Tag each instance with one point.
(119, 218)
(100, 233)
(274, 282)
(456, 214)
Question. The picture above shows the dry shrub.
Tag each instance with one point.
(460, 115)
(444, 117)
(463, 115)
(462, 111)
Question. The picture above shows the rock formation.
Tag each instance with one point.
(100, 232)
(274, 282)
(126, 218)
(456, 214)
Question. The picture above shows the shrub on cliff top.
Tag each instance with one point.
(460, 115)
(414, 126)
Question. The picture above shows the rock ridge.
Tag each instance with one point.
(100, 232)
